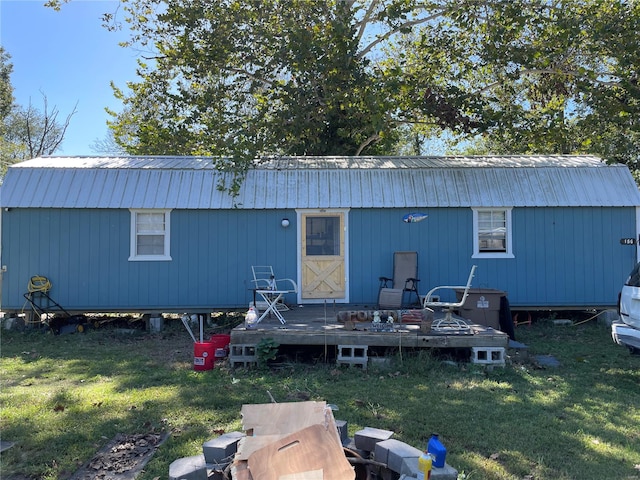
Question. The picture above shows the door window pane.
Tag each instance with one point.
(322, 235)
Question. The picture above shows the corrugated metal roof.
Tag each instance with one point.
(320, 182)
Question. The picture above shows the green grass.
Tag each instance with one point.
(64, 397)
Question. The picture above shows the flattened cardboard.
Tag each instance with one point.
(281, 418)
(301, 455)
(248, 445)
(312, 475)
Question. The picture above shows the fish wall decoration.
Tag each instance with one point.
(414, 217)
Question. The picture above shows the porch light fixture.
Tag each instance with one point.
(285, 222)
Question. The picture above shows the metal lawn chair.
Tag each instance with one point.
(405, 279)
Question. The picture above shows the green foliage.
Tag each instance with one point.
(242, 79)
(6, 102)
(6, 89)
(535, 78)
(267, 349)
(231, 80)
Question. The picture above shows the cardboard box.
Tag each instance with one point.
(482, 306)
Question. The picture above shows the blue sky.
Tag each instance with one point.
(69, 57)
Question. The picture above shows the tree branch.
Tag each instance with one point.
(538, 71)
(50, 133)
(381, 38)
(366, 143)
(64, 129)
(242, 71)
(365, 20)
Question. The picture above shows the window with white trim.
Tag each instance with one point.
(150, 235)
(492, 233)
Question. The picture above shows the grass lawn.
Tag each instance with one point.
(64, 397)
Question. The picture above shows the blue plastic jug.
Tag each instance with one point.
(437, 450)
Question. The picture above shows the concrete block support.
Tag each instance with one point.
(242, 354)
(367, 438)
(353, 355)
(220, 450)
(488, 355)
(188, 468)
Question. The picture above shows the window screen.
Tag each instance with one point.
(492, 231)
(322, 235)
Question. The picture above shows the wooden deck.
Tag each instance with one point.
(318, 326)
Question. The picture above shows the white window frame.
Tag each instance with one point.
(134, 256)
(508, 253)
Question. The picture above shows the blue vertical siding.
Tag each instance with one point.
(84, 253)
(563, 256)
(444, 242)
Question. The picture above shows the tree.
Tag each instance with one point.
(6, 89)
(107, 145)
(25, 132)
(241, 79)
(30, 133)
(40, 132)
(572, 87)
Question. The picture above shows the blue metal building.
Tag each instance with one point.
(157, 234)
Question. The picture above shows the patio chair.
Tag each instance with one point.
(449, 307)
(272, 291)
(405, 279)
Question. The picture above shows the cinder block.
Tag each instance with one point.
(221, 449)
(353, 355)
(410, 468)
(242, 354)
(445, 473)
(188, 468)
(350, 445)
(343, 428)
(367, 438)
(488, 355)
(394, 452)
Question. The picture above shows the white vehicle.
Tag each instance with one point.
(626, 332)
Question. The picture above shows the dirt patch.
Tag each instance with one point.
(123, 458)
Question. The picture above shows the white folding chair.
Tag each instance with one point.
(272, 290)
